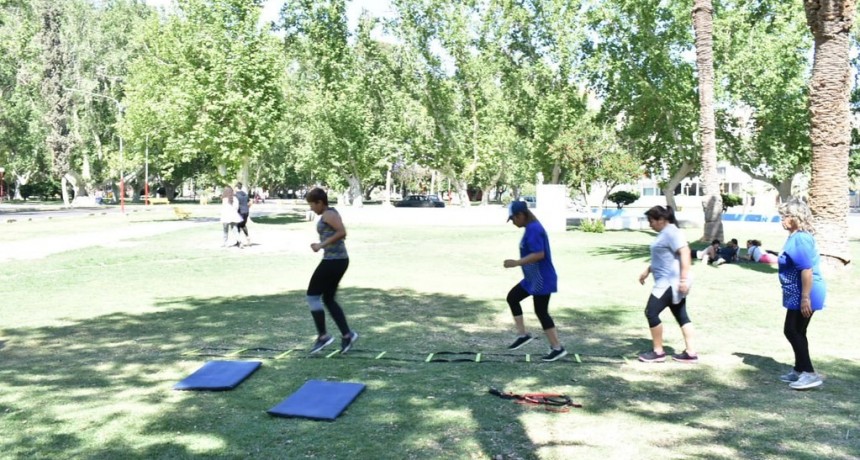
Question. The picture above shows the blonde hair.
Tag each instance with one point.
(799, 211)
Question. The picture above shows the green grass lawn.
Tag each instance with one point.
(92, 341)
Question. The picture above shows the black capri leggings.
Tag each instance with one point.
(517, 294)
(656, 306)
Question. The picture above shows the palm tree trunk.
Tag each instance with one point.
(712, 202)
(830, 22)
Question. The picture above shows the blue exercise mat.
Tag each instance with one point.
(318, 400)
(218, 375)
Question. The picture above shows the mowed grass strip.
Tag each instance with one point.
(94, 339)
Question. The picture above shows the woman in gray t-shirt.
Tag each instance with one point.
(670, 265)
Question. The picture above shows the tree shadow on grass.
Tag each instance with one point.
(624, 251)
(132, 361)
(756, 267)
(113, 375)
(281, 219)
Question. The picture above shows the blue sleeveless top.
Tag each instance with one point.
(336, 250)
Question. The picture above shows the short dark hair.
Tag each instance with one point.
(238, 185)
(659, 212)
(317, 194)
(715, 242)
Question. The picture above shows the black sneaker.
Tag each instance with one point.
(521, 340)
(346, 343)
(321, 343)
(554, 354)
(652, 357)
(686, 358)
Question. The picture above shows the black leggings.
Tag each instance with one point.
(324, 283)
(656, 306)
(243, 226)
(517, 295)
(795, 332)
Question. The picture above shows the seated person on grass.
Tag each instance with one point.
(756, 253)
(729, 253)
(710, 254)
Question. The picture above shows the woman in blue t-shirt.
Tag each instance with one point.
(540, 279)
(803, 289)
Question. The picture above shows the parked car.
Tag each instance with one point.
(530, 200)
(420, 201)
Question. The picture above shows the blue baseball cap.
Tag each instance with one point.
(516, 207)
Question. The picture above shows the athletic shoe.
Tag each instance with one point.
(806, 381)
(554, 354)
(790, 377)
(521, 340)
(685, 358)
(321, 343)
(346, 343)
(652, 357)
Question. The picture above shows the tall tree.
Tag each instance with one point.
(206, 91)
(637, 63)
(346, 89)
(23, 149)
(57, 98)
(712, 202)
(830, 22)
(763, 114)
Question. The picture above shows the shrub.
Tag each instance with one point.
(730, 200)
(44, 189)
(592, 226)
(623, 198)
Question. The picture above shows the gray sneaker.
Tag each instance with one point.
(806, 381)
(346, 343)
(790, 377)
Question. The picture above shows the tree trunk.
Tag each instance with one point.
(556, 173)
(386, 197)
(669, 187)
(169, 190)
(485, 195)
(784, 189)
(64, 191)
(355, 195)
(830, 22)
(712, 202)
(462, 192)
(20, 180)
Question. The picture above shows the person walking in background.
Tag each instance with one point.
(670, 265)
(244, 211)
(803, 290)
(326, 278)
(540, 279)
(229, 217)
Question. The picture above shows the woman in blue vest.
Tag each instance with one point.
(540, 279)
(803, 290)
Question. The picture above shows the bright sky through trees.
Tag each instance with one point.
(377, 8)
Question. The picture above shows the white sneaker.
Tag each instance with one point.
(806, 381)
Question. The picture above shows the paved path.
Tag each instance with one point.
(36, 248)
